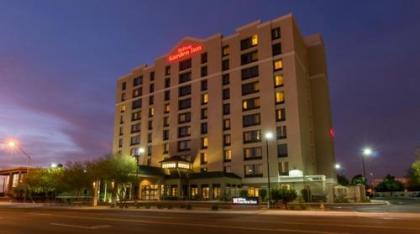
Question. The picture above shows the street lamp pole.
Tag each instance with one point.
(268, 136)
(365, 153)
(139, 152)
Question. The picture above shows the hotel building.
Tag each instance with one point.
(197, 118)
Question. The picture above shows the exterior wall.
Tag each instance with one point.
(308, 118)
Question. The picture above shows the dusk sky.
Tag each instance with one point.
(59, 62)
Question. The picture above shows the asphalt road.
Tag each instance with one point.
(41, 220)
(394, 205)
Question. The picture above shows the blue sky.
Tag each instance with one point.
(59, 61)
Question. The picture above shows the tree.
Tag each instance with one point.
(284, 195)
(414, 176)
(358, 179)
(263, 194)
(342, 180)
(75, 178)
(389, 184)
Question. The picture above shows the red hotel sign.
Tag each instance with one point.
(184, 51)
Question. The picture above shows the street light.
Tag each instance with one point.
(337, 166)
(268, 136)
(14, 144)
(366, 152)
(140, 151)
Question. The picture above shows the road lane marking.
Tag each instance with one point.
(81, 226)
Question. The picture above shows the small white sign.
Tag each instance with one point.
(244, 201)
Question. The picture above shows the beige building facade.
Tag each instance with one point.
(211, 102)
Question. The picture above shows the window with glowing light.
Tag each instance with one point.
(278, 80)
(279, 97)
(278, 64)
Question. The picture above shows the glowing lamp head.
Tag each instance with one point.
(54, 165)
(367, 151)
(12, 144)
(337, 166)
(269, 135)
(141, 150)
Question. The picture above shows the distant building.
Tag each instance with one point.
(10, 178)
(201, 111)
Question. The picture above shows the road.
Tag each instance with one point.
(49, 220)
(394, 205)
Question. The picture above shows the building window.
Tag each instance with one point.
(149, 137)
(184, 117)
(135, 128)
(184, 145)
(165, 135)
(226, 124)
(226, 140)
(281, 132)
(135, 140)
(278, 80)
(282, 150)
(226, 109)
(276, 49)
(123, 86)
(167, 108)
(227, 169)
(252, 153)
(138, 81)
(226, 93)
(204, 128)
(281, 114)
(120, 142)
(204, 113)
(184, 131)
(167, 70)
(167, 95)
(137, 92)
(252, 136)
(227, 155)
(136, 116)
(225, 50)
(203, 85)
(165, 148)
(121, 119)
(275, 33)
(203, 157)
(249, 42)
(249, 57)
(151, 88)
(151, 112)
(184, 77)
(149, 153)
(166, 121)
(136, 104)
(279, 97)
(152, 76)
(251, 120)
(184, 104)
(284, 168)
(278, 64)
(204, 98)
(204, 142)
(250, 104)
(122, 109)
(150, 125)
(123, 97)
(167, 83)
(151, 100)
(225, 79)
(185, 64)
(253, 170)
(249, 88)
(184, 90)
(203, 71)
(248, 73)
(203, 58)
(225, 65)
(121, 130)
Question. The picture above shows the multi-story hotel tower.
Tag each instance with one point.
(205, 108)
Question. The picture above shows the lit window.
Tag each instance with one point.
(278, 80)
(204, 142)
(254, 40)
(228, 155)
(244, 105)
(279, 97)
(204, 98)
(225, 50)
(151, 112)
(123, 108)
(278, 64)
(281, 114)
(167, 108)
